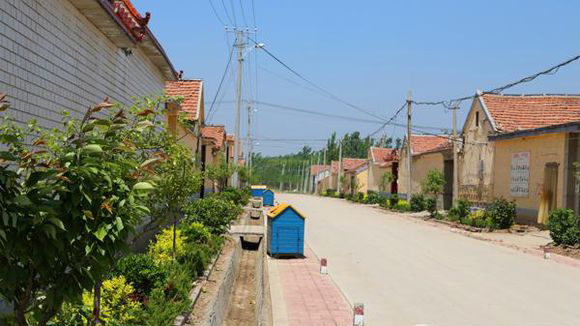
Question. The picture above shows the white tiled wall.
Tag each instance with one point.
(52, 58)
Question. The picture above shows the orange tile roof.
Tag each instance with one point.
(130, 17)
(381, 155)
(421, 144)
(191, 92)
(315, 169)
(521, 112)
(347, 164)
(216, 134)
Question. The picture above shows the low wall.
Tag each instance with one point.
(263, 299)
(219, 307)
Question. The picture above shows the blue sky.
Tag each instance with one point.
(370, 53)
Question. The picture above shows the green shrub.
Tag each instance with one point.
(394, 200)
(161, 251)
(117, 306)
(140, 270)
(402, 205)
(460, 210)
(195, 232)
(502, 214)
(418, 203)
(431, 206)
(238, 197)
(216, 214)
(375, 198)
(563, 226)
(169, 299)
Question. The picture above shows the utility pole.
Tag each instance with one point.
(338, 183)
(455, 160)
(300, 175)
(249, 136)
(316, 174)
(409, 151)
(309, 187)
(240, 46)
(282, 177)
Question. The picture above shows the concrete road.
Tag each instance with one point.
(409, 273)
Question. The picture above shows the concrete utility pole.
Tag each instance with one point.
(409, 151)
(316, 174)
(282, 176)
(455, 161)
(309, 187)
(240, 46)
(300, 177)
(249, 137)
(338, 183)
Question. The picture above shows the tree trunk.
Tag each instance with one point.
(97, 304)
(174, 234)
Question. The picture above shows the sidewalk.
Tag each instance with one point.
(303, 297)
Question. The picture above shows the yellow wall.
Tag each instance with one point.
(475, 169)
(422, 164)
(362, 180)
(543, 149)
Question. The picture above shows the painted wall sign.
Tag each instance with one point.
(520, 174)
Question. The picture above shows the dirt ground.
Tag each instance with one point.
(242, 305)
(211, 285)
(573, 252)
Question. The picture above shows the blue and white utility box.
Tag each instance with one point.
(285, 231)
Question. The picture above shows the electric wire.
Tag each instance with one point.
(221, 81)
(550, 71)
(234, 12)
(227, 13)
(216, 13)
(328, 93)
(243, 14)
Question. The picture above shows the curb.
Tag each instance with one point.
(182, 318)
(342, 292)
(476, 235)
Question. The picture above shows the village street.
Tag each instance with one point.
(407, 272)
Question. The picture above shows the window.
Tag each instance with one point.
(477, 118)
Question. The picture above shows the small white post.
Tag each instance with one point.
(547, 253)
(359, 314)
(323, 266)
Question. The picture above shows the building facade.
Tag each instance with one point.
(70, 54)
(429, 152)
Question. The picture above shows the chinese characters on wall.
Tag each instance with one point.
(520, 174)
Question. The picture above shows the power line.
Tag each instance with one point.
(288, 108)
(328, 93)
(390, 121)
(221, 82)
(254, 13)
(498, 90)
(227, 13)
(216, 13)
(233, 12)
(243, 14)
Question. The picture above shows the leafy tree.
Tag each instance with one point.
(433, 183)
(220, 172)
(68, 208)
(386, 179)
(177, 180)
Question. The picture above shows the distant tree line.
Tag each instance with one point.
(289, 170)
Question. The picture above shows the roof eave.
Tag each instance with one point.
(565, 127)
(479, 96)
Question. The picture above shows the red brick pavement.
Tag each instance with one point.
(311, 299)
